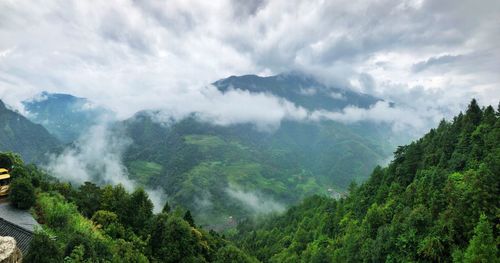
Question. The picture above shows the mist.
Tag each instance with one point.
(97, 157)
(266, 112)
(255, 201)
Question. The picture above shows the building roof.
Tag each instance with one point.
(22, 218)
(21, 235)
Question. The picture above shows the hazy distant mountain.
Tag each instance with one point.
(222, 171)
(18, 134)
(300, 89)
(64, 115)
(237, 170)
(427, 205)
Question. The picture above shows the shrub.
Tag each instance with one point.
(43, 249)
(22, 193)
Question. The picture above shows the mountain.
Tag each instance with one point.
(225, 173)
(437, 201)
(64, 115)
(92, 223)
(301, 89)
(18, 134)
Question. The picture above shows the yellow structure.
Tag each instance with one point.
(4, 182)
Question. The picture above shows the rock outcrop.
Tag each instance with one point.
(9, 252)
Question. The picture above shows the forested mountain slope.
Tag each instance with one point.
(438, 201)
(301, 89)
(222, 173)
(18, 134)
(108, 224)
(65, 116)
(213, 170)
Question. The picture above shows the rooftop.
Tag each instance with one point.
(22, 236)
(19, 217)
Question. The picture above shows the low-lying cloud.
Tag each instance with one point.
(255, 201)
(135, 55)
(97, 157)
(235, 106)
(402, 118)
(266, 111)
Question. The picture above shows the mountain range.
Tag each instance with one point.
(221, 172)
(20, 135)
(300, 89)
(64, 115)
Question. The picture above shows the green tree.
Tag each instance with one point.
(88, 199)
(166, 208)
(6, 161)
(104, 218)
(125, 252)
(80, 240)
(189, 218)
(22, 193)
(43, 249)
(115, 199)
(482, 247)
(231, 254)
(172, 240)
(77, 255)
(140, 209)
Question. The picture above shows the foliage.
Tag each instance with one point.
(231, 254)
(43, 249)
(189, 218)
(482, 247)
(22, 193)
(20, 135)
(122, 227)
(436, 202)
(286, 165)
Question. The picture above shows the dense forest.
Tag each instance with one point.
(438, 201)
(196, 162)
(212, 169)
(22, 136)
(108, 224)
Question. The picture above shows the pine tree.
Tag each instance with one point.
(473, 113)
(189, 218)
(166, 208)
(43, 249)
(482, 246)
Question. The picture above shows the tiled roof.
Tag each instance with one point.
(22, 218)
(22, 236)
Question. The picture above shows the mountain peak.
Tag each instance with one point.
(300, 88)
(65, 115)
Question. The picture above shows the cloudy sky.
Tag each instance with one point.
(432, 56)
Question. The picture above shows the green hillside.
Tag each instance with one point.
(221, 172)
(18, 134)
(108, 224)
(65, 116)
(199, 165)
(438, 201)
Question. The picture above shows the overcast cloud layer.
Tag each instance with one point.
(432, 56)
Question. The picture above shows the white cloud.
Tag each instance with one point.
(134, 55)
(97, 157)
(232, 107)
(255, 201)
(402, 118)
